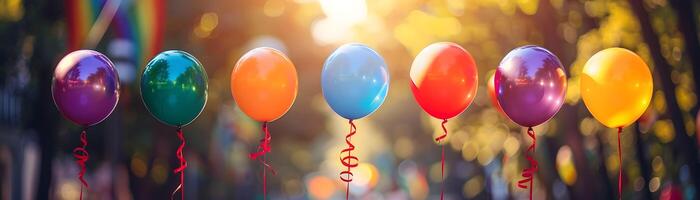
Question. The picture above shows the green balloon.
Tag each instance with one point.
(174, 87)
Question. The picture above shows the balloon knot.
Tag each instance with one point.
(348, 161)
(183, 164)
(444, 130)
(81, 155)
(529, 173)
(442, 160)
(263, 148)
(619, 155)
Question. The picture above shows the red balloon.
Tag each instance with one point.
(492, 94)
(444, 79)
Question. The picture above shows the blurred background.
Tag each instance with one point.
(132, 155)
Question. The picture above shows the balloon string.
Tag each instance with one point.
(183, 165)
(81, 155)
(529, 173)
(264, 148)
(349, 161)
(442, 169)
(619, 155)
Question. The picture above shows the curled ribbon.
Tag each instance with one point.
(349, 161)
(529, 173)
(442, 169)
(81, 157)
(183, 165)
(264, 148)
(619, 155)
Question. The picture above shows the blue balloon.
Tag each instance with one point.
(354, 81)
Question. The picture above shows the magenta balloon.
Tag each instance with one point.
(85, 87)
(530, 85)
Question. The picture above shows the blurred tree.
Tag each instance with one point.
(686, 22)
(41, 25)
(643, 158)
(684, 146)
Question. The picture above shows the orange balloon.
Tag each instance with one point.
(616, 86)
(492, 94)
(264, 84)
(444, 79)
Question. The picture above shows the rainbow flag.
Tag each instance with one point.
(142, 23)
(80, 16)
(139, 21)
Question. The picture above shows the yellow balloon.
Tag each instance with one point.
(616, 86)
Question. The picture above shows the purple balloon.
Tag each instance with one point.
(85, 87)
(530, 85)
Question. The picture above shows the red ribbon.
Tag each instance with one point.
(529, 173)
(264, 148)
(183, 165)
(442, 169)
(619, 155)
(81, 157)
(349, 161)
